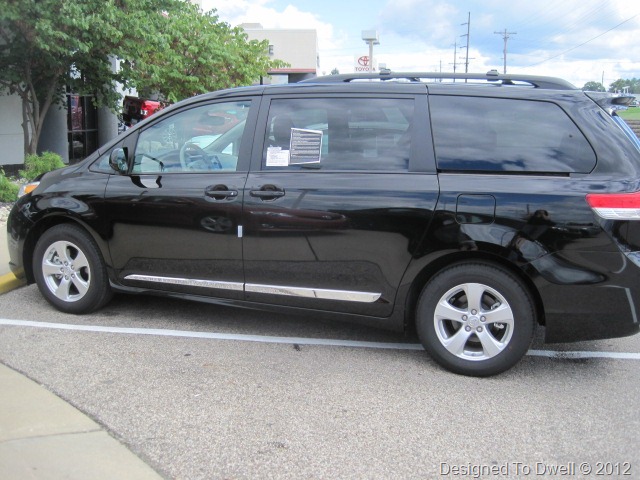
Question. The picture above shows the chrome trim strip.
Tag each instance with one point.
(320, 293)
(191, 282)
(325, 294)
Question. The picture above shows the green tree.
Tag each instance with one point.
(594, 87)
(197, 53)
(620, 85)
(47, 46)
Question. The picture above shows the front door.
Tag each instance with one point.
(174, 217)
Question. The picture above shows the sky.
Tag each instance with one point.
(578, 40)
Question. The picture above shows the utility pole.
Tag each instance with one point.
(505, 37)
(468, 24)
(455, 57)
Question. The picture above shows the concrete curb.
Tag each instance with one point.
(9, 282)
(43, 437)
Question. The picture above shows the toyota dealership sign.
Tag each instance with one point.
(361, 64)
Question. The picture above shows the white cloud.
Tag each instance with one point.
(418, 35)
(259, 11)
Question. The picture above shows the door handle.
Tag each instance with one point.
(267, 192)
(220, 192)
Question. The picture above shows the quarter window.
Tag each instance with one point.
(490, 134)
(202, 139)
(102, 164)
(371, 134)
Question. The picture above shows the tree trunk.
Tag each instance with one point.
(33, 114)
(27, 128)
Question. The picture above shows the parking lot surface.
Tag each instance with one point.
(201, 391)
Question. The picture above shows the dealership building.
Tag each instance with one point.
(297, 47)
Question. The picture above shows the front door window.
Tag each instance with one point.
(202, 139)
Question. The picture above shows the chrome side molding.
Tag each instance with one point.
(191, 282)
(320, 293)
(323, 293)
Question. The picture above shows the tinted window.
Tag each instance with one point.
(339, 134)
(82, 126)
(201, 139)
(490, 134)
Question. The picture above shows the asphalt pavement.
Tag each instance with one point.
(44, 437)
(206, 392)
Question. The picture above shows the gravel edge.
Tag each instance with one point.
(5, 208)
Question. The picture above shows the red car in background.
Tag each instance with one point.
(137, 109)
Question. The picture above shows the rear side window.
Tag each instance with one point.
(339, 134)
(507, 135)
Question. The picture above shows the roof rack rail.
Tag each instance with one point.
(493, 76)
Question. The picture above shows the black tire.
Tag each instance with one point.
(471, 340)
(70, 271)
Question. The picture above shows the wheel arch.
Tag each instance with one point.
(47, 223)
(434, 265)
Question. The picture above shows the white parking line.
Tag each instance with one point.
(293, 340)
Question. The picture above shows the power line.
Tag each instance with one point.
(584, 43)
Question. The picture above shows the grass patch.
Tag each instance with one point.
(632, 113)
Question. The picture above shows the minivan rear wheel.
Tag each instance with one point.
(475, 319)
(69, 270)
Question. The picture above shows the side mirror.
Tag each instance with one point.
(118, 160)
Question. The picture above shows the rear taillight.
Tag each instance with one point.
(615, 206)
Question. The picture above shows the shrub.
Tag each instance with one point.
(38, 164)
(8, 189)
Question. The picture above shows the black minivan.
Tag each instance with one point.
(471, 210)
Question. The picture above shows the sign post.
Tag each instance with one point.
(371, 38)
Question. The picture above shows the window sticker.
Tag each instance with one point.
(306, 146)
(277, 157)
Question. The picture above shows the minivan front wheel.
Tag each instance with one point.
(475, 319)
(69, 270)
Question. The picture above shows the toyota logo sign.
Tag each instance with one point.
(361, 64)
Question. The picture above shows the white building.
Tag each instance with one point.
(11, 137)
(297, 47)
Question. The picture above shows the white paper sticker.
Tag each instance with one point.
(277, 157)
(306, 146)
